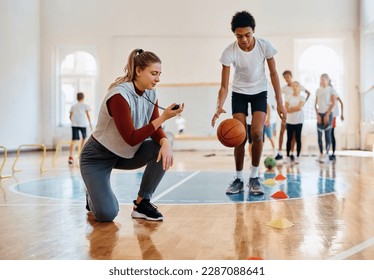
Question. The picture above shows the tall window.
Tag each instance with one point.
(313, 62)
(78, 71)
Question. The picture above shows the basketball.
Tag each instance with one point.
(231, 132)
(269, 162)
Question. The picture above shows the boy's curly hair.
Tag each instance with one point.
(242, 19)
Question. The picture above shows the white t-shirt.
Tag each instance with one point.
(273, 114)
(249, 75)
(79, 117)
(295, 117)
(324, 98)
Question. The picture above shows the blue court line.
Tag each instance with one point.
(354, 250)
(174, 186)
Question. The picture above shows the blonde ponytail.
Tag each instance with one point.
(137, 58)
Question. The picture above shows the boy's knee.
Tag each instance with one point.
(257, 136)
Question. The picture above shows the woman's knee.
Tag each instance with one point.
(106, 215)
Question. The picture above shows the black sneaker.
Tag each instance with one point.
(235, 187)
(146, 210)
(255, 187)
(278, 157)
(292, 157)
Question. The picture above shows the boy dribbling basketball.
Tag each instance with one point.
(248, 54)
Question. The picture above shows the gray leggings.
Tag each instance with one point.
(320, 128)
(96, 165)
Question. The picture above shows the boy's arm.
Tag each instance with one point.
(71, 116)
(287, 107)
(294, 108)
(307, 95)
(222, 93)
(300, 106)
(278, 95)
(341, 107)
(89, 119)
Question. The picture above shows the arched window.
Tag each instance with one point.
(313, 62)
(78, 71)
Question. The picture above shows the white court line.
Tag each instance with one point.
(174, 186)
(354, 250)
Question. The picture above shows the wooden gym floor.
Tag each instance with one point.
(330, 206)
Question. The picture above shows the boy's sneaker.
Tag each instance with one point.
(235, 187)
(278, 157)
(297, 160)
(146, 210)
(255, 187)
(71, 160)
(292, 157)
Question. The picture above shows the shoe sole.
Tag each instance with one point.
(253, 192)
(137, 215)
(256, 192)
(239, 191)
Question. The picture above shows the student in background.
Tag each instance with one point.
(270, 126)
(180, 122)
(287, 90)
(324, 105)
(78, 114)
(295, 119)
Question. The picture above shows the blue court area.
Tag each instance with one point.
(199, 187)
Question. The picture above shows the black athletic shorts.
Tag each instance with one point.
(75, 131)
(239, 102)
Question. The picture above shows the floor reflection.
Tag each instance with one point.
(102, 239)
(143, 230)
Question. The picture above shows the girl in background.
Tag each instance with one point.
(325, 102)
(295, 118)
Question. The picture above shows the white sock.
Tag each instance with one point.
(254, 172)
(239, 174)
(279, 152)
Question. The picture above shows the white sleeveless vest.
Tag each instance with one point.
(106, 131)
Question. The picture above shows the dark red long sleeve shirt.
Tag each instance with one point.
(120, 110)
